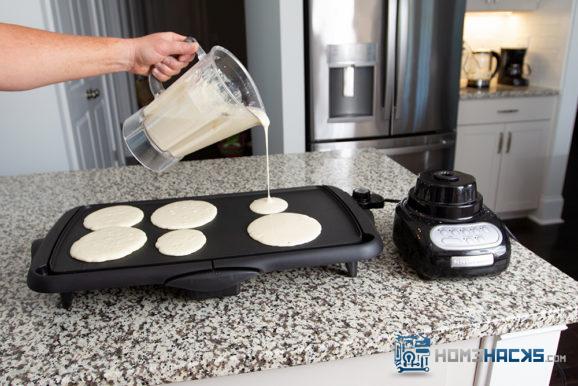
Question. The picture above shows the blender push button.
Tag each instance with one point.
(451, 241)
(462, 237)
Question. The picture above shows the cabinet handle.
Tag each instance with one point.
(508, 111)
(500, 142)
(509, 143)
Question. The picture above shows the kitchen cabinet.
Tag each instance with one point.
(476, 146)
(501, 5)
(502, 142)
(522, 163)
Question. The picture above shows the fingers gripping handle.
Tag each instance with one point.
(156, 86)
(200, 52)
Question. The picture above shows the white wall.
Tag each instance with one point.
(30, 122)
(552, 202)
(275, 51)
(551, 27)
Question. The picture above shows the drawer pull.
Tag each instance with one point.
(509, 143)
(508, 111)
(500, 142)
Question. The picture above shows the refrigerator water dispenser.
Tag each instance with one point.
(350, 92)
(351, 81)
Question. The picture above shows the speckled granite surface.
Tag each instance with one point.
(153, 335)
(503, 91)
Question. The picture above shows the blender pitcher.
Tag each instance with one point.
(213, 100)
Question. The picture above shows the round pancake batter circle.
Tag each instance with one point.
(108, 244)
(284, 229)
(184, 214)
(181, 242)
(269, 205)
(113, 216)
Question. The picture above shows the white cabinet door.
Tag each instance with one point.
(501, 5)
(478, 150)
(523, 160)
(526, 373)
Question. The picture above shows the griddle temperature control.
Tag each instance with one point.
(366, 199)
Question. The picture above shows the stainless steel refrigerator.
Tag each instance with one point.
(385, 74)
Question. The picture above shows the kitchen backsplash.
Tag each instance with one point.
(544, 31)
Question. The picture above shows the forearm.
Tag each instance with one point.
(32, 58)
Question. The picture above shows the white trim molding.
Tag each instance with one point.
(552, 202)
(549, 211)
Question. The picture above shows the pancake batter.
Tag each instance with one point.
(181, 242)
(113, 216)
(108, 244)
(267, 205)
(184, 214)
(284, 229)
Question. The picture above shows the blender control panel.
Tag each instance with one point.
(463, 237)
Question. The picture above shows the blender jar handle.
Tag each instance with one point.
(156, 86)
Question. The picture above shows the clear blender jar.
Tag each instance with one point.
(213, 100)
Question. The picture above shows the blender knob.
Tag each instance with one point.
(446, 175)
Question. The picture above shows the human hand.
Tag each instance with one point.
(163, 54)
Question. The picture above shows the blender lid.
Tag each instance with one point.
(445, 194)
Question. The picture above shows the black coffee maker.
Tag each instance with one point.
(513, 67)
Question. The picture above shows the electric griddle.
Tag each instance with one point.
(230, 255)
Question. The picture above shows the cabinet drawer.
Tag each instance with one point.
(499, 110)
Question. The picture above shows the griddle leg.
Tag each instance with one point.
(66, 300)
(351, 268)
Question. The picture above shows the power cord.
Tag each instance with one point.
(510, 233)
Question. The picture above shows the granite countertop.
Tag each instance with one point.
(502, 91)
(155, 335)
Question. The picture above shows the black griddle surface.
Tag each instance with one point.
(227, 235)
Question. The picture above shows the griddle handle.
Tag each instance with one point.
(215, 281)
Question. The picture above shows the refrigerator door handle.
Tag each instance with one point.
(389, 53)
(402, 47)
(420, 148)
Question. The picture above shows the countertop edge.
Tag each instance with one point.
(333, 351)
(473, 94)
